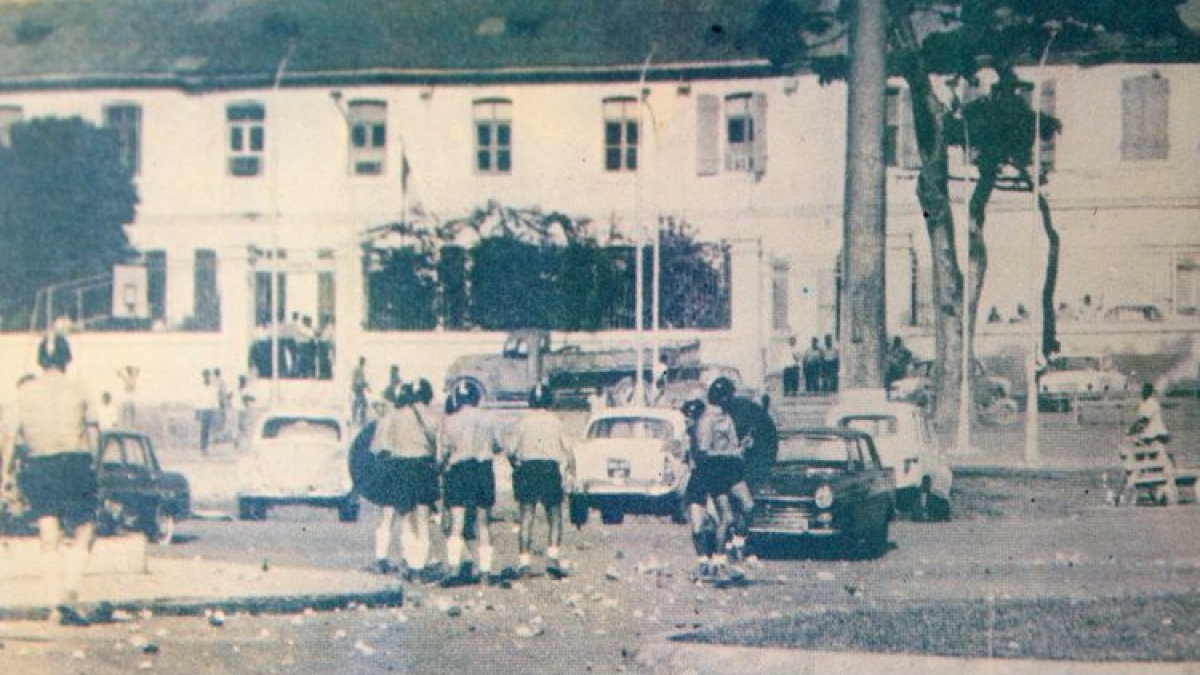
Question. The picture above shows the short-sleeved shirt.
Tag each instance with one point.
(716, 435)
(401, 434)
(539, 434)
(53, 414)
(466, 435)
(1151, 411)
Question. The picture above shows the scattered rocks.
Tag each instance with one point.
(364, 648)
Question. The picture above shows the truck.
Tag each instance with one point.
(572, 373)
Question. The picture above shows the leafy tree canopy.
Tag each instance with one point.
(64, 197)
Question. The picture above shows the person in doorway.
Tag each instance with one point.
(811, 364)
(55, 428)
(542, 462)
(830, 364)
(466, 444)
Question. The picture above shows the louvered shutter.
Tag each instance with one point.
(708, 135)
(758, 152)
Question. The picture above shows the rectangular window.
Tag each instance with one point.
(246, 138)
(206, 308)
(126, 120)
(1144, 103)
(620, 134)
(899, 142)
(745, 133)
(493, 136)
(262, 297)
(368, 137)
(9, 115)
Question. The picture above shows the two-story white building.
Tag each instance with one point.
(269, 136)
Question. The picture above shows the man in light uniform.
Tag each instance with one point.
(466, 444)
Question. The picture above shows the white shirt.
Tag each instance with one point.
(1151, 410)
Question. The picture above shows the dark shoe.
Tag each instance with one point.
(68, 616)
(383, 566)
(556, 571)
(429, 576)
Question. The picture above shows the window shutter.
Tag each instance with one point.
(758, 113)
(708, 135)
(1132, 116)
(1157, 95)
(910, 158)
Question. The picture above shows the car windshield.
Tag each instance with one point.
(1075, 363)
(878, 426)
(825, 451)
(630, 427)
(306, 428)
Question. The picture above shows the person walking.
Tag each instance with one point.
(56, 427)
(758, 437)
(718, 467)
(359, 386)
(542, 462)
(206, 410)
(465, 446)
(830, 364)
(408, 471)
(811, 364)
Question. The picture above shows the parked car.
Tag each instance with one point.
(135, 493)
(992, 393)
(631, 460)
(907, 445)
(1133, 314)
(825, 485)
(691, 381)
(297, 457)
(1075, 377)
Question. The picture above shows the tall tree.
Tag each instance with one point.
(932, 40)
(64, 197)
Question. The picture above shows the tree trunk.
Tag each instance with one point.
(863, 342)
(934, 197)
(1049, 319)
(981, 196)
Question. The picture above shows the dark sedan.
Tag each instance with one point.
(135, 493)
(825, 485)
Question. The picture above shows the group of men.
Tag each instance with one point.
(415, 454)
(304, 349)
(818, 364)
(222, 412)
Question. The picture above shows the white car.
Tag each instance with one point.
(297, 457)
(1075, 377)
(907, 445)
(631, 460)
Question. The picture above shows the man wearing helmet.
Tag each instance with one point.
(405, 444)
(542, 461)
(718, 467)
(759, 439)
(466, 443)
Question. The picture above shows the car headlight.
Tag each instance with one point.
(824, 497)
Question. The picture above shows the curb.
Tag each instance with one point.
(662, 656)
(290, 604)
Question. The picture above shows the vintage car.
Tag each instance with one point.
(631, 461)
(691, 381)
(992, 393)
(826, 485)
(135, 493)
(1133, 314)
(297, 457)
(1078, 377)
(907, 445)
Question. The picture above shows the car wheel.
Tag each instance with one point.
(611, 516)
(251, 509)
(348, 510)
(873, 543)
(159, 527)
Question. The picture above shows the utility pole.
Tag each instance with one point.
(863, 307)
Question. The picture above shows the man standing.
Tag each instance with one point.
(830, 362)
(55, 426)
(206, 410)
(811, 363)
(898, 359)
(791, 373)
(542, 461)
(358, 390)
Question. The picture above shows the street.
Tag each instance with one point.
(1034, 537)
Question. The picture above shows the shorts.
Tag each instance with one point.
(714, 476)
(470, 484)
(63, 485)
(538, 481)
(405, 482)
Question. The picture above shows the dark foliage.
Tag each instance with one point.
(64, 197)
